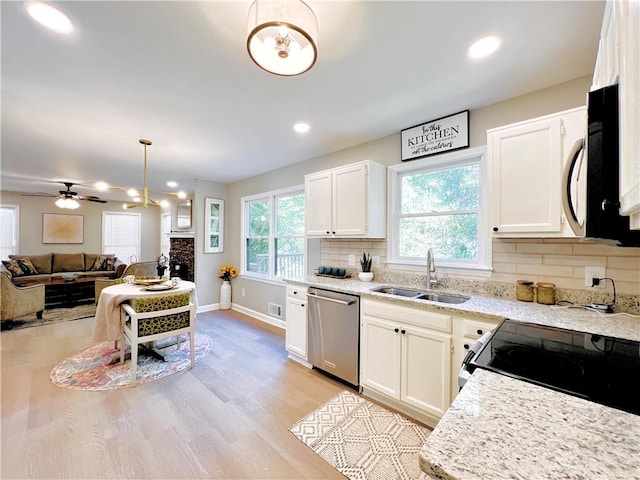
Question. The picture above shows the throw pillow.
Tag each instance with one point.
(42, 262)
(103, 263)
(20, 267)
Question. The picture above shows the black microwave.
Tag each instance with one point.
(602, 218)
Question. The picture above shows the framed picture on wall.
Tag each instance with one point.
(213, 225)
(57, 228)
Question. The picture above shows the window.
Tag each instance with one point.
(121, 235)
(273, 233)
(9, 228)
(439, 203)
(165, 230)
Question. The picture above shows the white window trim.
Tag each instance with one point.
(104, 216)
(481, 268)
(16, 209)
(270, 196)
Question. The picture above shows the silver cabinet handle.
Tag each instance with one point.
(341, 302)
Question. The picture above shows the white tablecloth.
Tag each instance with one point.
(107, 324)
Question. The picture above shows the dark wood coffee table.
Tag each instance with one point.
(59, 292)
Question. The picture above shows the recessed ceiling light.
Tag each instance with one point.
(485, 46)
(172, 184)
(301, 127)
(182, 194)
(101, 186)
(50, 17)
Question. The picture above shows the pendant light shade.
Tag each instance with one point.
(68, 203)
(282, 36)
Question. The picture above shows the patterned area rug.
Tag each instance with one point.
(54, 315)
(91, 368)
(363, 440)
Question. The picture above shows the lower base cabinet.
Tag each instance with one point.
(405, 355)
(296, 333)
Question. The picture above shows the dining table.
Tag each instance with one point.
(107, 319)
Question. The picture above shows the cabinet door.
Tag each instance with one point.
(425, 371)
(526, 166)
(318, 210)
(296, 333)
(350, 200)
(380, 356)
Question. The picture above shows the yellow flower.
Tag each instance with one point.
(227, 272)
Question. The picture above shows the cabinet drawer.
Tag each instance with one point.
(475, 329)
(297, 291)
(403, 314)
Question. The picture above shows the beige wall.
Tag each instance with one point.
(32, 208)
(566, 267)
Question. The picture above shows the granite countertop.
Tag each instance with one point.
(614, 325)
(500, 427)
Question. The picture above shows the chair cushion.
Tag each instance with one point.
(163, 323)
(160, 302)
(68, 262)
(20, 266)
(42, 262)
(104, 262)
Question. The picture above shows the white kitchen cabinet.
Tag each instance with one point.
(296, 333)
(466, 330)
(405, 356)
(525, 162)
(348, 201)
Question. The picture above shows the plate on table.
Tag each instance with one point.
(158, 288)
(151, 281)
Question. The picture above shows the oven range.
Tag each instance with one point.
(595, 367)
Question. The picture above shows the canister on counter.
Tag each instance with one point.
(546, 293)
(524, 290)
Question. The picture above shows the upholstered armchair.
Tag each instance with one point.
(148, 319)
(20, 301)
(138, 269)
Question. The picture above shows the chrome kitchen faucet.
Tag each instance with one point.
(432, 280)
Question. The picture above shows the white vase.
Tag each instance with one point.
(365, 276)
(225, 295)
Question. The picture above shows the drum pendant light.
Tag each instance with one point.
(282, 36)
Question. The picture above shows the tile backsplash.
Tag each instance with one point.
(559, 261)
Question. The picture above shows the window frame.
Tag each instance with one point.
(271, 198)
(105, 214)
(16, 229)
(482, 265)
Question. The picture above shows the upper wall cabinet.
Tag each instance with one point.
(526, 161)
(348, 201)
(618, 61)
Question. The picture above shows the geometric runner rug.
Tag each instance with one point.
(99, 368)
(53, 315)
(363, 440)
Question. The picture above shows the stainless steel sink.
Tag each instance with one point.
(403, 292)
(418, 295)
(442, 297)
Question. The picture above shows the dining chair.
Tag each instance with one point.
(148, 319)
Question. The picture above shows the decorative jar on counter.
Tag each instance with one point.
(524, 290)
(546, 293)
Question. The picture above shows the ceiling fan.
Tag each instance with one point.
(67, 198)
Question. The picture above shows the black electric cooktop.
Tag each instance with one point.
(602, 369)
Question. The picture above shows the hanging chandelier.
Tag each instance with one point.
(144, 200)
(282, 36)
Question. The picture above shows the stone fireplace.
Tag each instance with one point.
(182, 257)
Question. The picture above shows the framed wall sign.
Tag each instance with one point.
(213, 225)
(58, 228)
(437, 136)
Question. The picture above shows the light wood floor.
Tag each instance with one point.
(226, 418)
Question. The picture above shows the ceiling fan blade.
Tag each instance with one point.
(38, 194)
(90, 198)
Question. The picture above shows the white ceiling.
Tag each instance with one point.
(178, 73)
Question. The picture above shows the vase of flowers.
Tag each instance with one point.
(226, 274)
(365, 263)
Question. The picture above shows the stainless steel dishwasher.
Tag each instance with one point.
(334, 333)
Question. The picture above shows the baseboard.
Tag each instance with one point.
(260, 316)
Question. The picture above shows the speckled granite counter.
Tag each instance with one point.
(499, 427)
(622, 326)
